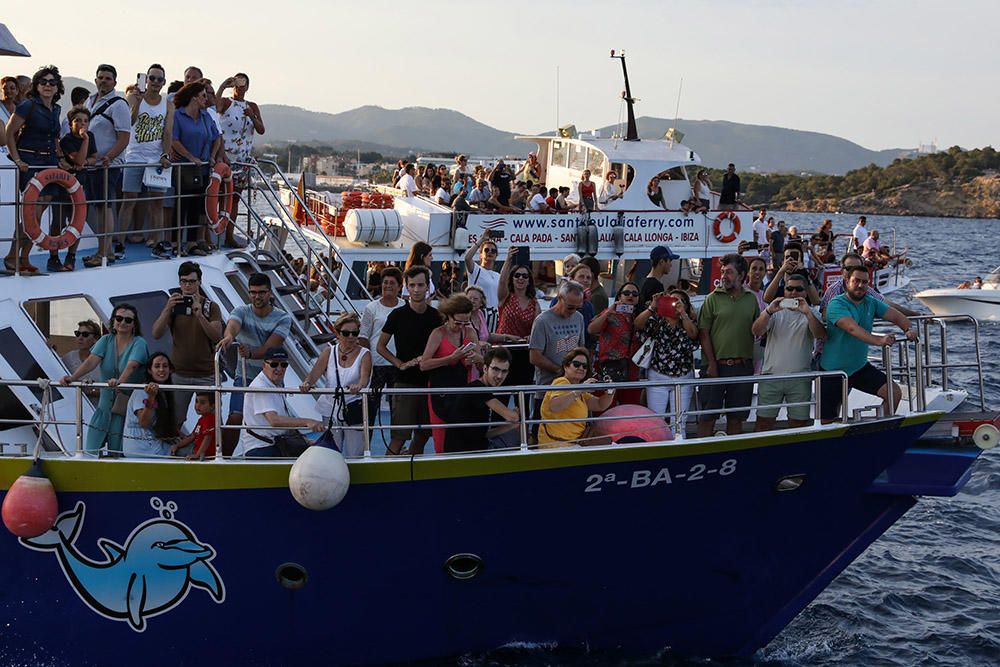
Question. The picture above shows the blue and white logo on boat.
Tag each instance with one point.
(160, 562)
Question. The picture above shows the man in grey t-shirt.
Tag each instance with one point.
(791, 333)
(555, 332)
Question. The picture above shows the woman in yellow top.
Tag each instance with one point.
(575, 404)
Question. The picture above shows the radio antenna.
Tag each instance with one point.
(677, 109)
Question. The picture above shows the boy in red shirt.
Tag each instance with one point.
(203, 435)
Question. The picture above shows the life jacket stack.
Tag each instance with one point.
(351, 200)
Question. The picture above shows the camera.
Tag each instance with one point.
(790, 303)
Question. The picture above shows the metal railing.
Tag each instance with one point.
(521, 395)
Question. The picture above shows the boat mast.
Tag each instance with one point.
(632, 132)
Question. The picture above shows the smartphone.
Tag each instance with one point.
(523, 256)
(666, 306)
(140, 82)
(495, 234)
(624, 308)
(468, 347)
(790, 303)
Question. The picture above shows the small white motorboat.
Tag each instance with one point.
(980, 301)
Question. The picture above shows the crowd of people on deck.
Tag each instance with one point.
(492, 331)
(143, 158)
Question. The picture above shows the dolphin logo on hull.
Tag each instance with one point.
(160, 562)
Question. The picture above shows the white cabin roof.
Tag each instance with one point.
(619, 150)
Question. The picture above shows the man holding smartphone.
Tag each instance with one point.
(793, 264)
(195, 325)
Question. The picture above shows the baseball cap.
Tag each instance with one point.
(661, 252)
(275, 353)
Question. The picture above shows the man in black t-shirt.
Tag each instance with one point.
(730, 188)
(502, 178)
(479, 408)
(410, 326)
(661, 260)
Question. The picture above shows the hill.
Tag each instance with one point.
(408, 130)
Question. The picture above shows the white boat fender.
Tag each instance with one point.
(986, 436)
(319, 478)
(618, 239)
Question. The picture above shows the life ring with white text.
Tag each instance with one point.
(717, 227)
(221, 179)
(32, 223)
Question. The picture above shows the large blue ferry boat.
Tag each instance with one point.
(702, 546)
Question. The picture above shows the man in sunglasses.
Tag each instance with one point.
(794, 262)
(262, 412)
(152, 131)
(86, 334)
(484, 275)
(792, 327)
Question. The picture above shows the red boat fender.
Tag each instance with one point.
(30, 506)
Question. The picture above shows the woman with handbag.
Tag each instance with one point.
(347, 366)
(450, 359)
(617, 342)
(150, 419)
(121, 356)
(195, 139)
(671, 330)
(572, 404)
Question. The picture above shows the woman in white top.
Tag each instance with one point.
(240, 119)
(703, 189)
(348, 366)
(150, 425)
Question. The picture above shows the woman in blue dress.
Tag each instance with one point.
(121, 356)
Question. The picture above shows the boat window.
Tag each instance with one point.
(560, 152)
(57, 319)
(149, 306)
(23, 364)
(223, 298)
(595, 162)
(577, 157)
(355, 289)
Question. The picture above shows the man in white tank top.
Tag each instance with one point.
(152, 128)
(240, 119)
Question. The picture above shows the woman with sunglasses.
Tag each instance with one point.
(151, 426)
(671, 323)
(450, 359)
(617, 342)
(347, 365)
(86, 334)
(571, 404)
(32, 142)
(121, 357)
(518, 310)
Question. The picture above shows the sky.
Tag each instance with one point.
(884, 74)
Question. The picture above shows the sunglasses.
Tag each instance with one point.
(348, 333)
(48, 82)
(278, 364)
(789, 288)
(84, 334)
(578, 364)
(490, 251)
(629, 292)
(521, 276)
(156, 79)
(191, 281)
(123, 318)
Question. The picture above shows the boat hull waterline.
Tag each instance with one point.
(690, 547)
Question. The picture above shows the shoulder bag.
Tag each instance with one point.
(347, 413)
(120, 405)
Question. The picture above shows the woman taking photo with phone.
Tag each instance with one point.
(572, 404)
(617, 342)
(670, 323)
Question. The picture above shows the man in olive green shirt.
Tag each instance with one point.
(727, 346)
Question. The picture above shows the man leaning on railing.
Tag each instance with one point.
(849, 320)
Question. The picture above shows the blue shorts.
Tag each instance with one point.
(132, 181)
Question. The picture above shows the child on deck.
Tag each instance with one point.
(203, 435)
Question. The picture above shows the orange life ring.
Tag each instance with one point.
(32, 223)
(221, 178)
(717, 227)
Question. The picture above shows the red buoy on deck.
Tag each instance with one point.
(30, 506)
(644, 426)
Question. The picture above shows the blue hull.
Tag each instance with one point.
(685, 547)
